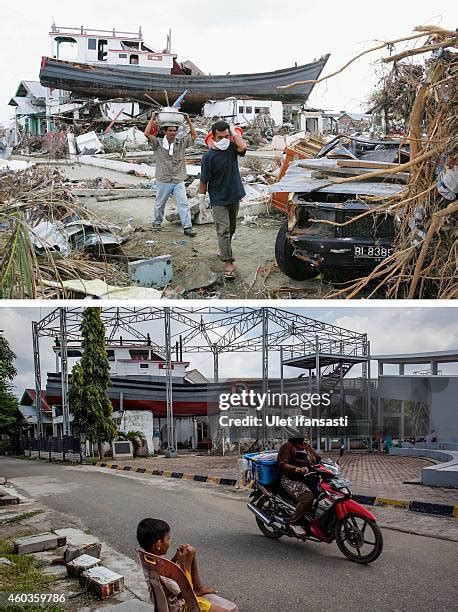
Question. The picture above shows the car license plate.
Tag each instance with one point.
(372, 252)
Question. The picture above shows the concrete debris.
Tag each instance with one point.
(131, 139)
(37, 543)
(155, 272)
(101, 290)
(81, 564)
(73, 551)
(13, 165)
(199, 277)
(88, 144)
(102, 581)
(5, 561)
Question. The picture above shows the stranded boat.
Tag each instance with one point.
(111, 64)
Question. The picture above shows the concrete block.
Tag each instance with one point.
(154, 272)
(81, 564)
(102, 582)
(9, 500)
(35, 543)
(94, 549)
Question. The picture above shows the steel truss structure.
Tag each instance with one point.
(302, 341)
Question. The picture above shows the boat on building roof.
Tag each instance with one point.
(112, 64)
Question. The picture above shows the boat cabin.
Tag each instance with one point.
(132, 360)
(109, 47)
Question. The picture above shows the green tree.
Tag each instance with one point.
(75, 394)
(90, 404)
(10, 417)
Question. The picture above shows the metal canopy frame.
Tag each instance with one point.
(214, 330)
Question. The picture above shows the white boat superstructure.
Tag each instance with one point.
(109, 47)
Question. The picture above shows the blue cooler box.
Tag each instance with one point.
(264, 466)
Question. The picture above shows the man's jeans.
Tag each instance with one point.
(178, 190)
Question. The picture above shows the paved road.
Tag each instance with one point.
(413, 573)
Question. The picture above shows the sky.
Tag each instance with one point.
(239, 36)
(390, 330)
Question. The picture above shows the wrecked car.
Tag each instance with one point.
(319, 236)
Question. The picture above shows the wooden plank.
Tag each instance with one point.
(330, 167)
(364, 163)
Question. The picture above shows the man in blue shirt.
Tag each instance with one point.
(220, 176)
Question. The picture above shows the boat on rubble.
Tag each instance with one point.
(111, 64)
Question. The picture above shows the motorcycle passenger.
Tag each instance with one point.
(295, 460)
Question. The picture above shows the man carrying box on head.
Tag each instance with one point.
(171, 171)
(220, 175)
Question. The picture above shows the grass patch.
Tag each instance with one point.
(24, 576)
(91, 460)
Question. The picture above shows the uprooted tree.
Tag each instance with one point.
(10, 418)
(424, 262)
(90, 380)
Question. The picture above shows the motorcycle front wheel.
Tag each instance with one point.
(358, 538)
(265, 504)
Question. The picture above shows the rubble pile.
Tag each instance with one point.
(424, 262)
(414, 183)
(47, 237)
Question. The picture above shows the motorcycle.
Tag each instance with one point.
(334, 514)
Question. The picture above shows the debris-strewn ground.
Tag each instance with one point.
(198, 271)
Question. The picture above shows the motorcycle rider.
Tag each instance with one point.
(295, 460)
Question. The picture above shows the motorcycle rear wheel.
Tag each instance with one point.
(351, 535)
(264, 504)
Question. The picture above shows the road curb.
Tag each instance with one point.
(366, 500)
(216, 480)
(412, 506)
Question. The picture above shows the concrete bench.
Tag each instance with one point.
(444, 474)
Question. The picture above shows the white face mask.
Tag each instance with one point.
(223, 144)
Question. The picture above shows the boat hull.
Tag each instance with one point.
(130, 82)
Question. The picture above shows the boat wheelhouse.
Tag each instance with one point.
(112, 48)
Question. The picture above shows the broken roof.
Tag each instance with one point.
(355, 116)
(25, 106)
(30, 98)
(33, 88)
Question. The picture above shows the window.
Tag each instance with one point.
(138, 355)
(240, 110)
(123, 55)
(111, 355)
(261, 109)
(102, 50)
(248, 110)
(133, 59)
(92, 44)
(144, 366)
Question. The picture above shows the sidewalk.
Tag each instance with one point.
(30, 517)
(373, 475)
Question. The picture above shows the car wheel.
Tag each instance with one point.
(288, 264)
